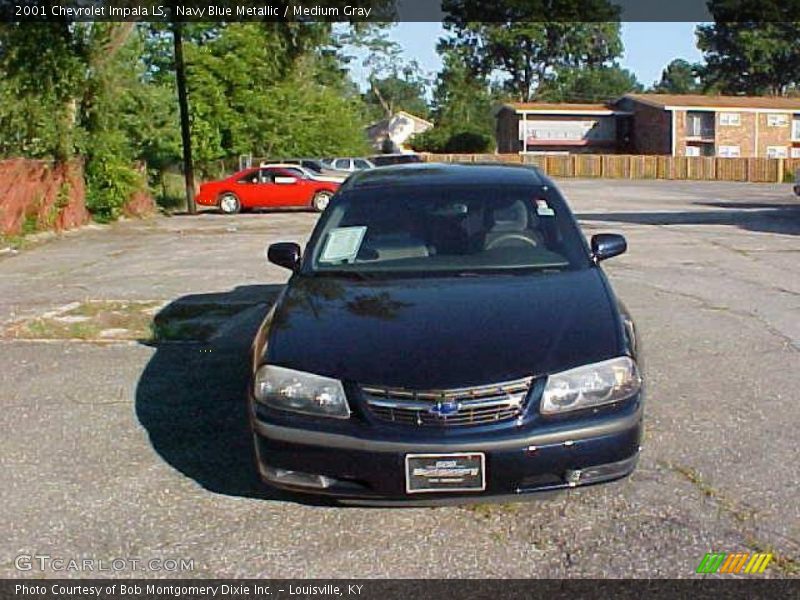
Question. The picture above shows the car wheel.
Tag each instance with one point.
(229, 203)
(321, 200)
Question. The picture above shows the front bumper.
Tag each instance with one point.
(369, 465)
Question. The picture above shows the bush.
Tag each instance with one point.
(468, 142)
(441, 140)
(170, 191)
(110, 177)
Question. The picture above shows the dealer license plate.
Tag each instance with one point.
(458, 472)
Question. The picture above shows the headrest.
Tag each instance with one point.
(513, 217)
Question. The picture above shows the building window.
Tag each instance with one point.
(777, 152)
(700, 125)
(729, 151)
(777, 120)
(692, 151)
(795, 152)
(730, 119)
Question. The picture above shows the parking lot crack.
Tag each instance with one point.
(744, 517)
(705, 304)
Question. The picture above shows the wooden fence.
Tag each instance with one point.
(631, 166)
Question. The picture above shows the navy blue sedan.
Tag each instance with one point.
(447, 333)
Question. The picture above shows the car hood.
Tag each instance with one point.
(444, 332)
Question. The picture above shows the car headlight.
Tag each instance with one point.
(287, 389)
(591, 385)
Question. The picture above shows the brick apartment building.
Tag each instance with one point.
(677, 125)
(543, 127)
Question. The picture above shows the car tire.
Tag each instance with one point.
(229, 203)
(321, 200)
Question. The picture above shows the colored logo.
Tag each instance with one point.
(734, 562)
(446, 408)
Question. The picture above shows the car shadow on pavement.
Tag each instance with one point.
(191, 396)
(782, 218)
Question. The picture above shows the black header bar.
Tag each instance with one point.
(734, 588)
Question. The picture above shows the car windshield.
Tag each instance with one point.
(436, 230)
(313, 165)
(394, 159)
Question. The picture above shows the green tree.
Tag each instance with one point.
(394, 82)
(511, 37)
(77, 89)
(461, 97)
(253, 88)
(599, 84)
(746, 54)
(462, 111)
(127, 121)
(106, 92)
(398, 91)
(43, 68)
(679, 77)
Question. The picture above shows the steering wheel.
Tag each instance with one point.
(508, 238)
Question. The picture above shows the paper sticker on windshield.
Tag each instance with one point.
(543, 210)
(342, 244)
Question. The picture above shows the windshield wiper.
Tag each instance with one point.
(519, 271)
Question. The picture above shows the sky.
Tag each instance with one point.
(649, 47)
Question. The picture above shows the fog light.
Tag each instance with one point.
(287, 477)
(598, 473)
(573, 477)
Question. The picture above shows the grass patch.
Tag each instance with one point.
(200, 310)
(729, 506)
(120, 320)
(89, 320)
(48, 329)
(786, 564)
(29, 225)
(12, 241)
(191, 322)
(181, 331)
(112, 309)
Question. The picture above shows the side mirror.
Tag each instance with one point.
(285, 180)
(607, 245)
(285, 254)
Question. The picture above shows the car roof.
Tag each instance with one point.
(393, 154)
(442, 174)
(280, 165)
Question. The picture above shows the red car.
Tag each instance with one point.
(266, 187)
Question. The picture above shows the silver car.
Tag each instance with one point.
(303, 173)
(348, 164)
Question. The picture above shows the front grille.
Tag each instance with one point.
(479, 405)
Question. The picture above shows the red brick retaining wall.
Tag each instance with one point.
(40, 195)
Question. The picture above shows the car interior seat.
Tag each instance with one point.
(513, 225)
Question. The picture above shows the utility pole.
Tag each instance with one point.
(183, 103)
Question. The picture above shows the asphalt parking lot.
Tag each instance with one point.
(113, 448)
